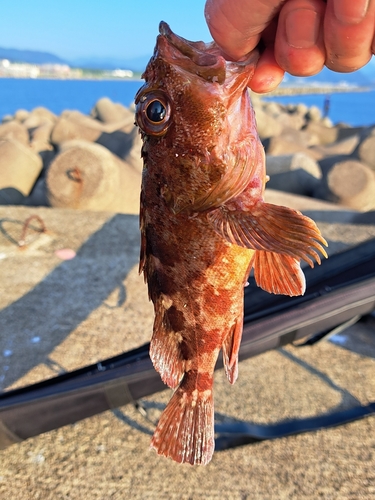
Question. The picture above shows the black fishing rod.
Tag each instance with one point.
(339, 292)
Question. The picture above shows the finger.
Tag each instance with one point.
(348, 33)
(236, 25)
(268, 74)
(299, 43)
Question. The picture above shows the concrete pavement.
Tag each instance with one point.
(60, 315)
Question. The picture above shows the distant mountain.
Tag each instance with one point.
(30, 56)
(137, 64)
(36, 57)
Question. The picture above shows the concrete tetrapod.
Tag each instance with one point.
(87, 176)
(294, 173)
(19, 169)
(349, 183)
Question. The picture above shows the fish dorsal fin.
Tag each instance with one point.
(270, 228)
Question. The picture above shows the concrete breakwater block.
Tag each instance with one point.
(346, 146)
(124, 144)
(14, 130)
(21, 114)
(301, 147)
(88, 176)
(133, 155)
(19, 169)
(295, 173)
(267, 125)
(74, 125)
(366, 151)
(326, 135)
(290, 141)
(292, 120)
(40, 136)
(108, 111)
(349, 183)
(38, 116)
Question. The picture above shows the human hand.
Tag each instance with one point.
(299, 36)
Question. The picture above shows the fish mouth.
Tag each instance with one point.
(199, 58)
(195, 51)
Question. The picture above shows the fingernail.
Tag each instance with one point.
(302, 28)
(350, 12)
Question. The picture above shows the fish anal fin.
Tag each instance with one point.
(278, 273)
(185, 432)
(231, 347)
(165, 351)
(270, 228)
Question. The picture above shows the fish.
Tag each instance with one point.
(204, 226)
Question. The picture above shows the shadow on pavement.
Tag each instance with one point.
(34, 325)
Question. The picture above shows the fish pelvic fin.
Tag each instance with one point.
(231, 347)
(278, 273)
(165, 350)
(185, 432)
(271, 228)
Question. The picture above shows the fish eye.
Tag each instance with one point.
(156, 111)
(153, 112)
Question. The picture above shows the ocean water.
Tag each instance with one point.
(353, 108)
(59, 95)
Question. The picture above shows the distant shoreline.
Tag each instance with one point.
(280, 91)
(334, 89)
(71, 79)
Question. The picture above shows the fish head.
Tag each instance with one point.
(194, 114)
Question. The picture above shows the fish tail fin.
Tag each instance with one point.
(185, 432)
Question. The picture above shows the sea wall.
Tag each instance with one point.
(93, 161)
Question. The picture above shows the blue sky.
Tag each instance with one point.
(97, 28)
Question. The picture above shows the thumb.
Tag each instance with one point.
(237, 25)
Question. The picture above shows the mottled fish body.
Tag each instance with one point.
(204, 225)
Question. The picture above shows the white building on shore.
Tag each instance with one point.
(10, 69)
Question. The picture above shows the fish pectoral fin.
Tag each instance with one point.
(165, 350)
(185, 431)
(231, 347)
(278, 273)
(271, 228)
(240, 169)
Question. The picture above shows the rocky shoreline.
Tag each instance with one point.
(93, 161)
(322, 89)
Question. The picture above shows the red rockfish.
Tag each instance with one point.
(204, 226)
